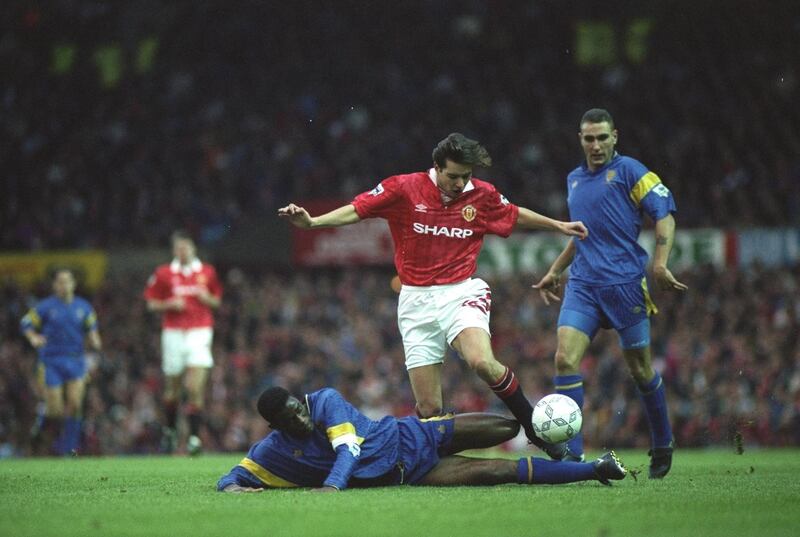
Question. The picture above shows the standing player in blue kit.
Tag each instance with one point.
(607, 288)
(57, 327)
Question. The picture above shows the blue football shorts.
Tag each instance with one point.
(420, 443)
(61, 369)
(625, 307)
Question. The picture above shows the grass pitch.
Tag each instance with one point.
(708, 493)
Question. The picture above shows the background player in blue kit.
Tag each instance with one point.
(322, 441)
(57, 327)
(607, 287)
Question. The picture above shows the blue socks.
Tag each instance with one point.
(545, 472)
(572, 386)
(70, 436)
(655, 405)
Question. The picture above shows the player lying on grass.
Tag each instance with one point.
(323, 442)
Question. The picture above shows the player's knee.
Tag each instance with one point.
(641, 373)
(565, 363)
(486, 367)
(72, 409)
(429, 409)
(54, 411)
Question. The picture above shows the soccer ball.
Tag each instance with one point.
(556, 418)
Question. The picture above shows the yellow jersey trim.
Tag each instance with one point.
(34, 318)
(265, 476)
(643, 186)
(568, 386)
(90, 319)
(652, 309)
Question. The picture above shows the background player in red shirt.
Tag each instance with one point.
(438, 220)
(184, 291)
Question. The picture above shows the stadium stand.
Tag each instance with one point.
(125, 121)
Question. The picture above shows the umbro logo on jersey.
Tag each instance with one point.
(454, 232)
(420, 208)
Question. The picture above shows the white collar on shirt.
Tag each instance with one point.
(432, 174)
(194, 266)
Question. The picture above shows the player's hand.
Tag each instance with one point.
(37, 341)
(204, 296)
(665, 281)
(176, 303)
(325, 489)
(549, 287)
(574, 229)
(297, 215)
(237, 489)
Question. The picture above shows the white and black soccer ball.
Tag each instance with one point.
(556, 418)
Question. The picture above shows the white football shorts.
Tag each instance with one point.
(185, 348)
(431, 317)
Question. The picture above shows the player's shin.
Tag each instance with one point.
(507, 388)
(538, 471)
(71, 436)
(654, 398)
(572, 387)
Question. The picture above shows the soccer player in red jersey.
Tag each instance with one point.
(185, 291)
(438, 219)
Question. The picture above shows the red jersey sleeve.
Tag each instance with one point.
(214, 285)
(381, 200)
(157, 287)
(501, 214)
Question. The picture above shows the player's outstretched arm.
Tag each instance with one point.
(532, 220)
(299, 217)
(234, 488)
(550, 284)
(665, 237)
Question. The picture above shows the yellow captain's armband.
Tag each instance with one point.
(33, 318)
(344, 433)
(643, 186)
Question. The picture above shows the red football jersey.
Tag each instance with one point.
(435, 243)
(173, 280)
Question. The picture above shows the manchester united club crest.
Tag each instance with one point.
(469, 213)
(610, 174)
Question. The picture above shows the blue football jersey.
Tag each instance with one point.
(63, 324)
(611, 203)
(344, 444)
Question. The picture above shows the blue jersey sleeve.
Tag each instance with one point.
(647, 191)
(339, 419)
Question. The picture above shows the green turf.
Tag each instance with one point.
(708, 493)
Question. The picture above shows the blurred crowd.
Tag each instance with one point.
(729, 351)
(124, 121)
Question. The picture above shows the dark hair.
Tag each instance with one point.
(461, 150)
(597, 115)
(180, 235)
(272, 401)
